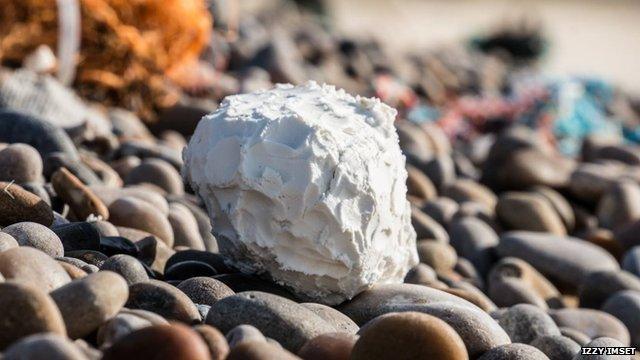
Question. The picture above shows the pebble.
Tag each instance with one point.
(32, 267)
(244, 333)
(419, 185)
(128, 267)
(138, 214)
(90, 269)
(157, 172)
(55, 161)
(440, 256)
(525, 323)
(525, 168)
(479, 331)
(529, 212)
(463, 190)
(36, 236)
(625, 305)
(514, 351)
(19, 205)
(413, 142)
(559, 204)
(590, 181)
(215, 341)
(441, 171)
(604, 342)
(440, 209)
(276, 317)
(565, 259)
(185, 227)
(91, 257)
(39, 190)
(259, 350)
(330, 346)
(80, 198)
(408, 335)
(426, 227)
(78, 236)
(48, 346)
(159, 342)
(421, 274)
(163, 299)
(340, 321)
(20, 163)
(107, 175)
(513, 281)
(109, 194)
(202, 219)
(73, 271)
(627, 235)
(145, 150)
(87, 303)
(105, 228)
(188, 269)
(7, 242)
(474, 240)
(620, 205)
(16, 127)
(599, 286)
(26, 310)
(239, 282)
(115, 245)
(556, 347)
(118, 327)
(214, 260)
(631, 261)
(575, 335)
(593, 323)
(205, 290)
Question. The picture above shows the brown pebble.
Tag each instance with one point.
(36, 236)
(47, 346)
(26, 310)
(127, 266)
(7, 242)
(408, 335)
(160, 342)
(330, 346)
(17, 205)
(205, 290)
(163, 299)
(259, 350)
(138, 214)
(529, 211)
(215, 340)
(440, 256)
(419, 185)
(32, 267)
(88, 302)
(73, 271)
(157, 172)
(185, 227)
(82, 201)
(20, 163)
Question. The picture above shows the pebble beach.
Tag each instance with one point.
(262, 186)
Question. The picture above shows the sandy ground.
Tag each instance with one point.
(599, 37)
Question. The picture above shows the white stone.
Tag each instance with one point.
(306, 184)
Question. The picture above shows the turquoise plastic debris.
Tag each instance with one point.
(579, 106)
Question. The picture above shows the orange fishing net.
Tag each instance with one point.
(128, 47)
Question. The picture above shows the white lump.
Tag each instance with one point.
(306, 184)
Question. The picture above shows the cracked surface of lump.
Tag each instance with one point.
(307, 185)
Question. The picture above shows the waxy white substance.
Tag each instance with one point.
(306, 184)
